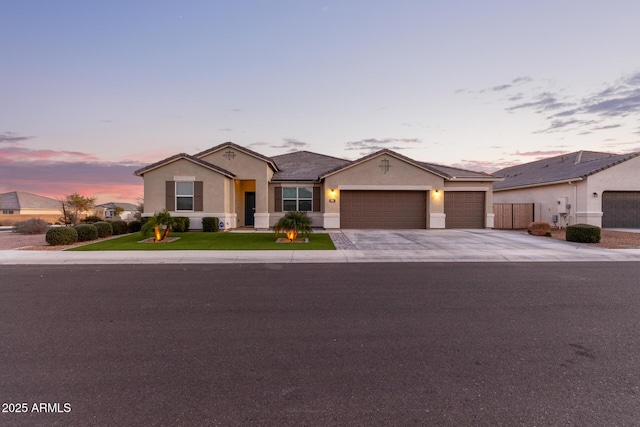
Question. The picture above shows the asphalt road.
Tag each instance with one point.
(321, 344)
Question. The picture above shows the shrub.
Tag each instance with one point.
(91, 219)
(210, 224)
(57, 236)
(538, 228)
(105, 229)
(119, 227)
(583, 233)
(292, 224)
(134, 226)
(181, 224)
(31, 226)
(86, 232)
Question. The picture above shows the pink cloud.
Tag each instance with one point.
(25, 154)
(57, 173)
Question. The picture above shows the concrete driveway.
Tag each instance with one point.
(446, 240)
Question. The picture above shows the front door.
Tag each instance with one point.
(249, 208)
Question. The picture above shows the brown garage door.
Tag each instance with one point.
(621, 209)
(464, 209)
(383, 209)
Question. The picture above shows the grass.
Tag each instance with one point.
(210, 242)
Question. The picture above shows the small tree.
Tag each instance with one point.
(117, 211)
(156, 223)
(293, 223)
(140, 208)
(73, 205)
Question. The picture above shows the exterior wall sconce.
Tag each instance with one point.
(332, 195)
(595, 194)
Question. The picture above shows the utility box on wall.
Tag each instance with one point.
(563, 203)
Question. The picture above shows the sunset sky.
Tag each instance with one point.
(93, 90)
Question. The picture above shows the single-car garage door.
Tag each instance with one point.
(464, 209)
(383, 209)
(621, 209)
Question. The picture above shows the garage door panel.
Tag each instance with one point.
(464, 209)
(621, 209)
(383, 209)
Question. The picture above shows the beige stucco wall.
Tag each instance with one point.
(545, 200)
(369, 173)
(245, 167)
(216, 194)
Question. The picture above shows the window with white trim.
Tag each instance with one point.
(184, 196)
(297, 199)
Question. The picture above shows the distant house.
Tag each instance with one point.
(384, 190)
(588, 187)
(108, 210)
(19, 205)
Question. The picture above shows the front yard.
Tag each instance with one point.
(208, 241)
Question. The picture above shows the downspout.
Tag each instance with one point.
(574, 205)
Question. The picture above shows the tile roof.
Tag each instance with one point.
(447, 172)
(304, 165)
(563, 168)
(22, 200)
(185, 156)
(269, 160)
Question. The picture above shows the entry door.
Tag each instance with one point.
(249, 208)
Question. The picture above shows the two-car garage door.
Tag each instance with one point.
(408, 209)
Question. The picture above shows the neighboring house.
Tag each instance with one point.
(382, 190)
(19, 206)
(588, 187)
(108, 210)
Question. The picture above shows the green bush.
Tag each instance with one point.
(86, 232)
(57, 236)
(31, 226)
(583, 233)
(105, 229)
(134, 226)
(119, 227)
(210, 224)
(181, 224)
(91, 219)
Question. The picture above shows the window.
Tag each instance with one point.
(184, 196)
(7, 212)
(297, 199)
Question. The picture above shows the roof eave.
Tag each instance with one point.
(538, 184)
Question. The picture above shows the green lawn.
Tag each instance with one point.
(209, 241)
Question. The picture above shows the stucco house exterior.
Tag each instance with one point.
(587, 187)
(20, 205)
(107, 210)
(244, 188)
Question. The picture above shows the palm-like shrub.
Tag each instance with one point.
(292, 224)
(156, 223)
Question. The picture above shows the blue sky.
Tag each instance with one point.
(94, 90)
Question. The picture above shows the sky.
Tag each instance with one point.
(90, 91)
